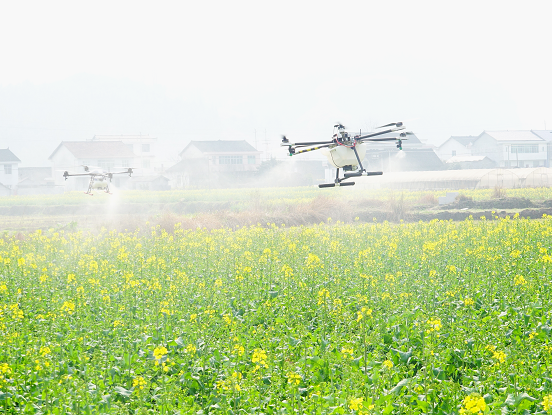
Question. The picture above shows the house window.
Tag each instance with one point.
(106, 165)
(7, 169)
(145, 148)
(453, 153)
(524, 149)
(125, 163)
(230, 159)
(251, 159)
(146, 164)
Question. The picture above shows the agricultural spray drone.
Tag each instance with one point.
(346, 152)
(99, 178)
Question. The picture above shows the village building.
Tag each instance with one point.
(546, 135)
(37, 181)
(502, 149)
(9, 176)
(213, 164)
(456, 146)
(144, 149)
(512, 149)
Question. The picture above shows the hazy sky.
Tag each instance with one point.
(232, 69)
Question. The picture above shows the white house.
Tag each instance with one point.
(72, 155)
(512, 148)
(456, 146)
(9, 175)
(215, 164)
(143, 146)
(547, 136)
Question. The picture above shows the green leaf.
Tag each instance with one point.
(404, 357)
(439, 373)
(522, 397)
(122, 391)
(397, 389)
(516, 400)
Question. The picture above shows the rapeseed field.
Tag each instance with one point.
(376, 318)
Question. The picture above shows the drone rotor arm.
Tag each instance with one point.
(67, 174)
(396, 124)
(306, 150)
(306, 144)
(368, 136)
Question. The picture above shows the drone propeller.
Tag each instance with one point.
(284, 139)
(340, 126)
(396, 124)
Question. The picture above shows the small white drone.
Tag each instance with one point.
(99, 178)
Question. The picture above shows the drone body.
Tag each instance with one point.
(347, 152)
(340, 156)
(99, 178)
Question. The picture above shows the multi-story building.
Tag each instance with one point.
(215, 164)
(143, 147)
(512, 148)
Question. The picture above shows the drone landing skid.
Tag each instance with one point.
(336, 184)
(339, 182)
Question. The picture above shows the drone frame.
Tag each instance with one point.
(93, 175)
(342, 138)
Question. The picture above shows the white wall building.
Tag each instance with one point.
(512, 148)
(9, 175)
(456, 146)
(144, 148)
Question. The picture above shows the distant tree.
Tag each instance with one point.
(267, 165)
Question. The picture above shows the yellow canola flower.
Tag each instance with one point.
(44, 351)
(547, 402)
(5, 369)
(519, 280)
(388, 364)
(500, 356)
(322, 295)
(294, 378)
(159, 352)
(239, 350)
(473, 404)
(139, 382)
(364, 312)
(355, 403)
(434, 325)
(259, 358)
(347, 352)
(468, 302)
(68, 307)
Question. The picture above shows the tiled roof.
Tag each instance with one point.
(223, 146)
(7, 155)
(544, 134)
(520, 135)
(97, 149)
(465, 140)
